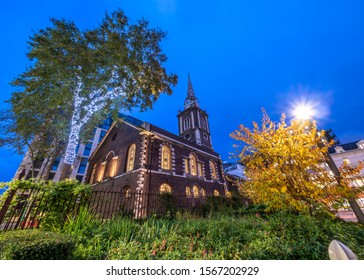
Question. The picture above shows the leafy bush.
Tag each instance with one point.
(49, 202)
(35, 245)
(278, 236)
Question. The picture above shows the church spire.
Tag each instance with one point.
(191, 100)
(193, 122)
(190, 92)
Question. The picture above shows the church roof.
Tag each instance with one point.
(346, 147)
(155, 129)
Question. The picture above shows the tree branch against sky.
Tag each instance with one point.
(77, 77)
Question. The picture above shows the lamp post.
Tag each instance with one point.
(306, 112)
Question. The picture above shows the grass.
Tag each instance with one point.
(275, 236)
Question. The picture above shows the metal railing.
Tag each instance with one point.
(29, 208)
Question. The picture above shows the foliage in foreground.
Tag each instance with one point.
(35, 245)
(277, 236)
(50, 201)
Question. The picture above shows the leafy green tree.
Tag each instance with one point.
(79, 77)
(40, 143)
(286, 166)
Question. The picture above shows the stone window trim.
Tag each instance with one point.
(166, 159)
(213, 170)
(186, 123)
(192, 166)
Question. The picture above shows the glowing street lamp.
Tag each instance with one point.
(304, 111)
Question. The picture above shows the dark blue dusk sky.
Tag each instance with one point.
(242, 55)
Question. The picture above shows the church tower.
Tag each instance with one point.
(193, 121)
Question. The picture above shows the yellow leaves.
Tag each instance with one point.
(283, 189)
(284, 164)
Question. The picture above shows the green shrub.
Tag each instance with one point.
(35, 245)
(276, 236)
(50, 201)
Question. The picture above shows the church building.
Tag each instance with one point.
(139, 157)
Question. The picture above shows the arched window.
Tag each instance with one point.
(193, 164)
(130, 158)
(114, 165)
(166, 158)
(216, 193)
(213, 170)
(203, 192)
(186, 123)
(165, 188)
(127, 192)
(195, 191)
(188, 192)
(109, 164)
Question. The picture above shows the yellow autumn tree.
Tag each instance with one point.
(285, 166)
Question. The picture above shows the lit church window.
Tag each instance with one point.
(195, 191)
(127, 192)
(101, 171)
(213, 170)
(203, 192)
(114, 164)
(188, 192)
(166, 158)
(216, 193)
(165, 188)
(193, 164)
(130, 158)
(109, 164)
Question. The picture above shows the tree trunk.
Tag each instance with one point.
(65, 171)
(357, 210)
(354, 205)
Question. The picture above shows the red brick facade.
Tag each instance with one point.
(147, 174)
(139, 157)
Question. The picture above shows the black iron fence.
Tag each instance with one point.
(24, 209)
(29, 208)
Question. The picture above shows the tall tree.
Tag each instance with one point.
(78, 77)
(34, 138)
(286, 166)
